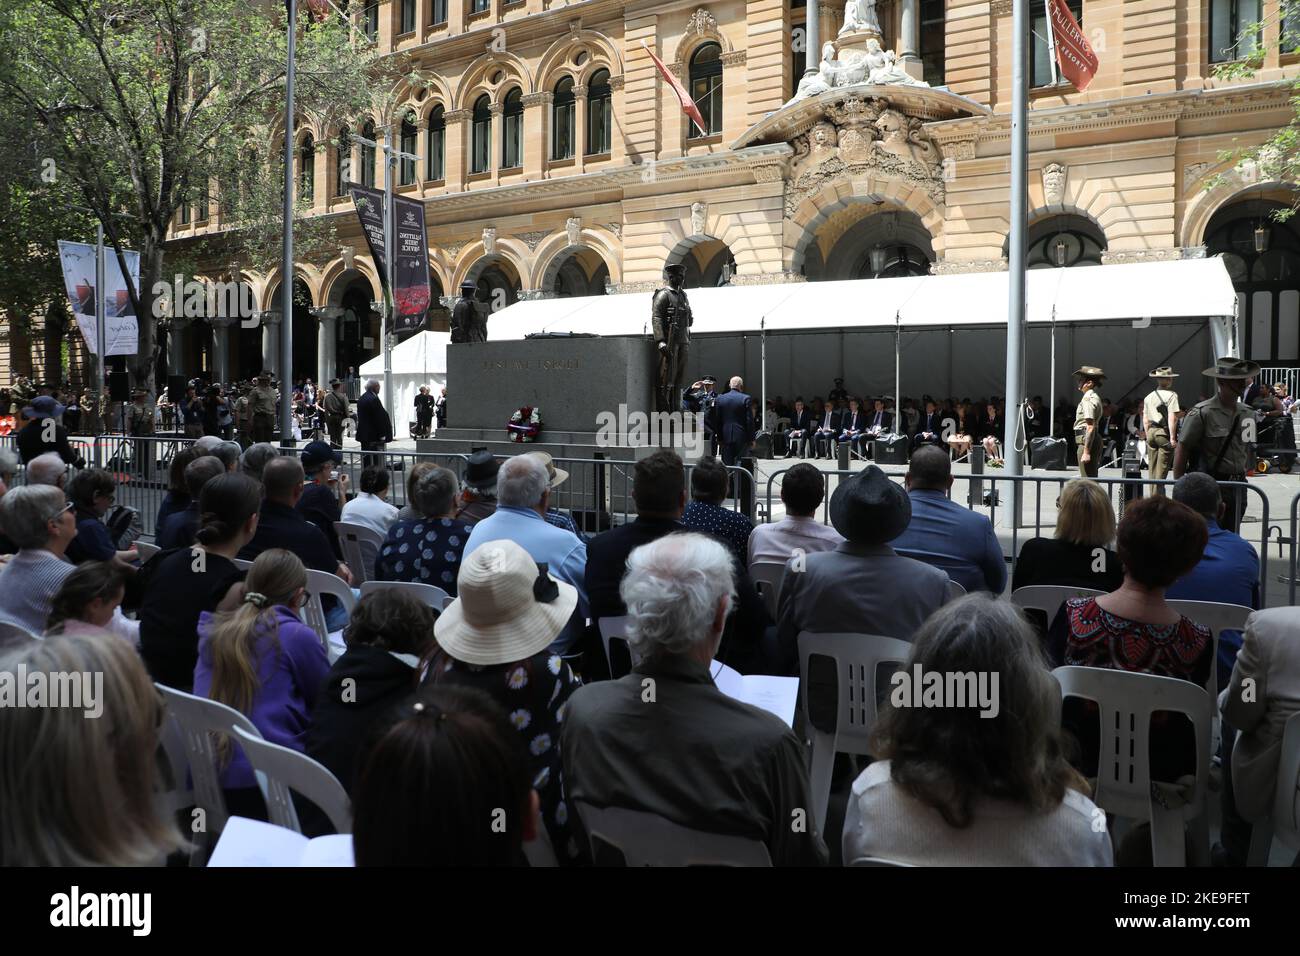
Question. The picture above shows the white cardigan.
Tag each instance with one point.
(885, 821)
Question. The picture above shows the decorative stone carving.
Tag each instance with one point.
(699, 215)
(734, 58)
(856, 56)
(967, 266)
(701, 23)
(1120, 257)
(767, 278)
(573, 226)
(489, 240)
(531, 239)
(1193, 172)
(616, 228)
(769, 173)
(453, 250)
(905, 136)
(959, 149)
(457, 116)
(1054, 183)
(860, 16)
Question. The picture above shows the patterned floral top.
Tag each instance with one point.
(423, 550)
(533, 693)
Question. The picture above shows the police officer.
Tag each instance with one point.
(1160, 414)
(1087, 420)
(1213, 436)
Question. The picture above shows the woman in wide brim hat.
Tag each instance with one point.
(43, 406)
(555, 476)
(496, 637)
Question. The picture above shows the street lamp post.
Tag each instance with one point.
(286, 265)
(1015, 368)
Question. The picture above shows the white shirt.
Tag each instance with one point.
(885, 821)
(777, 542)
(371, 511)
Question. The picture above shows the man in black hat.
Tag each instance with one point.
(1213, 436)
(325, 491)
(671, 317)
(43, 432)
(336, 408)
(863, 586)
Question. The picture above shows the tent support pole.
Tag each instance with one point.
(1051, 395)
(1016, 275)
(762, 347)
(898, 344)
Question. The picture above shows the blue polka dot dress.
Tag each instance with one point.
(425, 550)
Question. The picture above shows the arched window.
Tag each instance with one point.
(512, 130)
(438, 13)
(435, 154)
(408, 16)
(599, 113)
(410, 143)
(307, 169)
(1262, 257)
(370, 20)
(706, 88)
(481, 136)
(562, 118)
(343, 162)
(368, 156)
(1065, 241)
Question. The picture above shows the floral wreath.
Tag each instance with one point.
(525, 424)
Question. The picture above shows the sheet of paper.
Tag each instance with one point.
(246, 842)
(332, 850)
(776, 695)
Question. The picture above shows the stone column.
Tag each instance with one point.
(536, 145)
(270, 340)
(175, 346)
(221, 347)
(457, 158)
(580, 127)
(498, 127)
(812, 38)
(326, 342)
(909, 39)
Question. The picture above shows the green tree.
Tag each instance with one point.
(140, 104)
(1277, 159)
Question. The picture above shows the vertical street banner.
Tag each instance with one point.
(412, 296)
(1074, 53)
(121, 333)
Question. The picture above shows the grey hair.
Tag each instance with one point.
(372, 383)
(1199, 492)
(434, 492)
(26, 511)
(208, 444)
(46, 469)
(8, 462)
(671, 590)
(228, 452)
(521, 482)
(737, 382)
(255, 457)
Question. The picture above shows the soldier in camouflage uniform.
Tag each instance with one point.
(1213, 436)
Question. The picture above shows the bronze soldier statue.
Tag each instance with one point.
(672, 318)
(467, 323)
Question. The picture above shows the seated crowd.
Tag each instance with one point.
(439, 716)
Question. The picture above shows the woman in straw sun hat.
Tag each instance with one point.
(495, 636)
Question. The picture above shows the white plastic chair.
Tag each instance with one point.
(288, 770)
(145, 550)
(1126, 701)
(197, 720)
(646, 839)
(324, 582)
(430, 594)
(242, 564)
(1218, 618)
(1283, 823)
(356, 540)
(613, 629)
(955, 590)
(857, 658)
(877, 861)
(1048, 598)
(768, 575)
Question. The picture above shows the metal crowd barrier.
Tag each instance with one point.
(1119, 489)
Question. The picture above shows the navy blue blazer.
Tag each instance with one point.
(373, 423)
(734, 417)
(801, 421)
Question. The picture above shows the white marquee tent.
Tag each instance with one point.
(938, 334)
(420, 360)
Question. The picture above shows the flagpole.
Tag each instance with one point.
(1010, 517)
(286, 266)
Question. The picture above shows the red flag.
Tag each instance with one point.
(1073, 51)
(688, 104)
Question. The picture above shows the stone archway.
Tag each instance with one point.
(705, 258)
(864, 239)
(357, 323)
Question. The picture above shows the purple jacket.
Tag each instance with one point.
(290, 679)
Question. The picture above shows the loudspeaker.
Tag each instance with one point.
(119, 387)
(176, 385)
(1047, 453)
(890, 450)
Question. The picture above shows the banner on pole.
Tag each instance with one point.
(121, 331)
(413, 293)
(1074, 53)
(683, 97)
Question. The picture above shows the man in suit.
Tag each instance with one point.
(879, 421)
(735, 429)
(930, 429)
(862, 586)
(801, 429)
(374, 427)
(828, 427)
(852, 425)
(1263, 694)
(942, 533)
